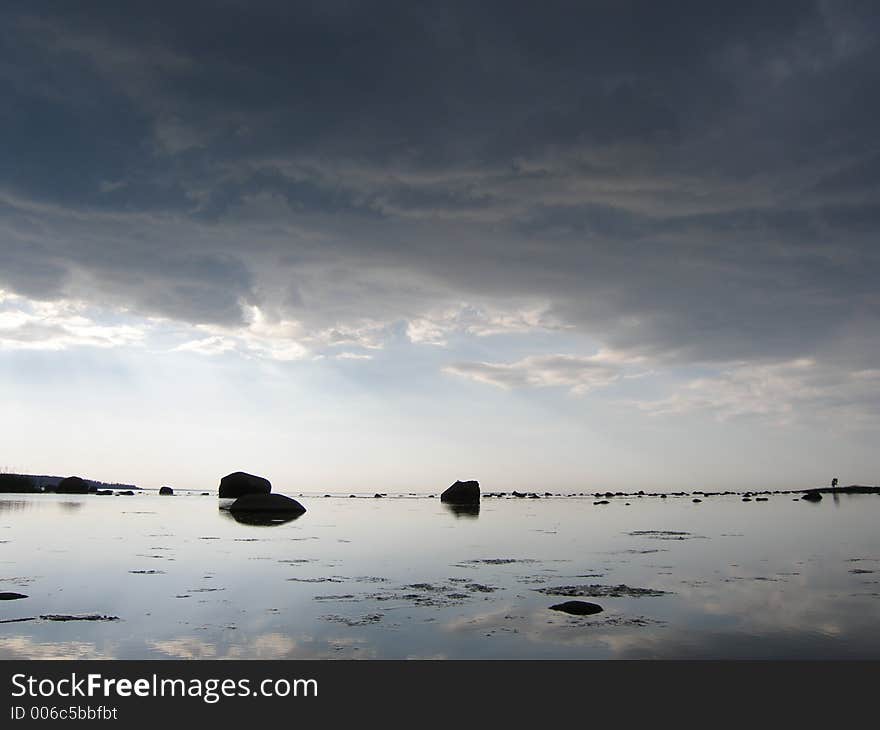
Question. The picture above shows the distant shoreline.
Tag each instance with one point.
(37, 484)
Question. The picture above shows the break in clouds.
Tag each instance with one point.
(677, 188)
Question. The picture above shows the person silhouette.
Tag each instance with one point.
(834, 482)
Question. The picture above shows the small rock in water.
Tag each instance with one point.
(577, 608)
(696, 500)
(166, 491)
(602, 501)
(812, 497)
(12, 596)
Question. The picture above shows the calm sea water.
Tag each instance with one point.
(408, 577)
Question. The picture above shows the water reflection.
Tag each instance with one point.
(470, 511)
(261, 519)
(400, 578)
(15, 505)
(70, 506)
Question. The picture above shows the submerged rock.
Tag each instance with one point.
(462, 493)
(577, 608)
(239, 484)
(596, 590)
(166, 491)
(72, 485)
(276, 503)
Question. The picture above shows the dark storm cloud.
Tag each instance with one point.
(698, 181)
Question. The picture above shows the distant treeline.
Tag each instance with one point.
(34, 484)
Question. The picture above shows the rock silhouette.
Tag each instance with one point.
(462, 493)
(577, 608)
(72, 485)
(12, 596)
(812, 497)
(238, 484)
(166, 491)
(267, 503)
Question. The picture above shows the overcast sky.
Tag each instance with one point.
(362, 246)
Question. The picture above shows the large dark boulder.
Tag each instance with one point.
(72, 485)
(166, 491)
(462, 493)
(238, 484)
(267, 503)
